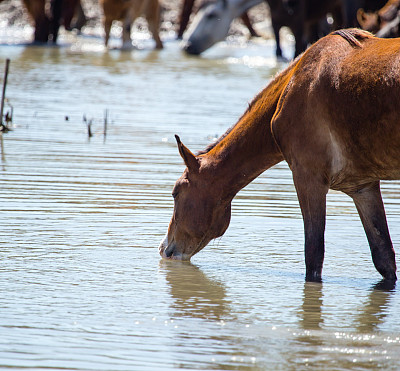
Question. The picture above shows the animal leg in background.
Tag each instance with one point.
(311, 193)
(56, 7)
(372, 213)
(185, 15)
(79, 18)
(246, 20)
(126, 31)
(107, 28)
(278, 50)
(42, 24)
(153, 15)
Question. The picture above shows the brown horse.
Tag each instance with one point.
(334, 116)
(47, 21)
(127, 11)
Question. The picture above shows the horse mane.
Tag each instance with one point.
(250, 106)
(353, 36)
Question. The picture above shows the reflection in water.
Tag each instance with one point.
(195, 295)
(346, 349)
(310, 312)
(375, 310)
(3, 155)
(310, 319)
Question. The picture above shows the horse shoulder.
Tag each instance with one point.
(292, 124)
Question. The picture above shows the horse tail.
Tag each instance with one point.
(353, 36)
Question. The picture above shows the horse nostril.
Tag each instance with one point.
(191, 49)
(169, 251)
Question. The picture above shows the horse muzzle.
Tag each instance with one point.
(171, 251)
(191, 48)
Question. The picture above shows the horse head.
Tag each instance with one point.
(201, 212)
(368, 21)
(210, 25)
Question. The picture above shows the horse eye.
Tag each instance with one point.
(174, 194)
(211, 16)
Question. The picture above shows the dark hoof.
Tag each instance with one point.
(385, 285)
(313, 277)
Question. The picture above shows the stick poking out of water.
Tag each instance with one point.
(3, 96)
(105, 122)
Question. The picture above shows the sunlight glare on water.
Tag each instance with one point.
(82, 284)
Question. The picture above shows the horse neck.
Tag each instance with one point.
(248, 149)
(240, 6)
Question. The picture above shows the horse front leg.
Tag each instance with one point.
(276, 27)
(107, 30)
(369, 204)
(126, 33)
(185, 16)
(153, 14)
(311, 193)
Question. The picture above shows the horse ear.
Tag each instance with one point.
(361, 17)
(190, 159)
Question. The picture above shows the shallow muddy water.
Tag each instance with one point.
(82, 284)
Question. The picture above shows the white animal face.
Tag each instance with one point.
(210, 25)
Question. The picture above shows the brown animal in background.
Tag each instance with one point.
(127, 11)
(36, 9)
(384, 22)
(47, 23)
(62, 12)
(334, 116)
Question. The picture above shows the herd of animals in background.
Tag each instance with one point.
(68, 13)
(307, 19)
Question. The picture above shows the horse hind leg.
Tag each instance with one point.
(311, 193)
(153, 17)
(107, 30)
(126, 33)
(370, 207)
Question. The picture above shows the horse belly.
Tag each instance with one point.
(349, 173)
